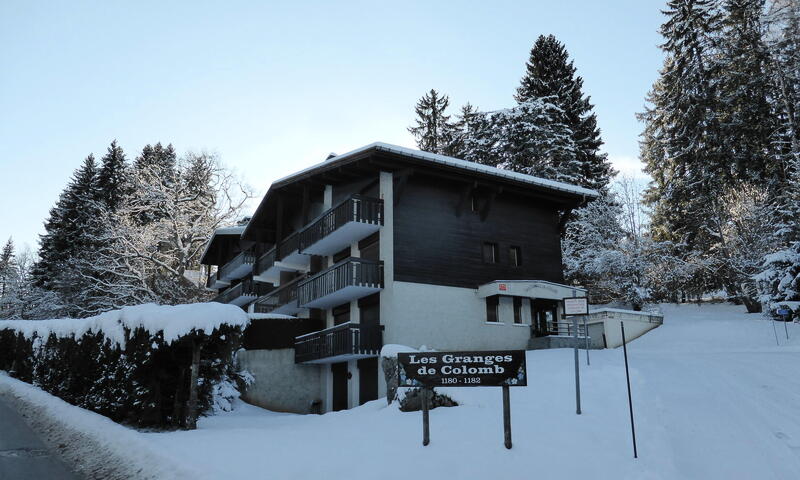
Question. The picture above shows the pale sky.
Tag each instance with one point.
(274, 87)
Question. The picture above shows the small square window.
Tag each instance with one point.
(515, 256)
(492, 304)
(489, 252)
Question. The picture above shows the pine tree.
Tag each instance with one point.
(66, 228)
(743, 88)
(8, 270)
(433, 132)
(682, 146)
(550, 73)
(111, 178)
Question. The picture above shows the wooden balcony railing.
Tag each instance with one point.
(232, 269)
(346, 340)
(246, 288)
(356, 208)
(350, 272)
(277, 298)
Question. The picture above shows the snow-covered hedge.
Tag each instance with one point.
(133, 365)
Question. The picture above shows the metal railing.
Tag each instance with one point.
(245, 257)
(356, 208)
(348, 272)
(278, 297)
(246, 288)
(565, 329)
(345, 339)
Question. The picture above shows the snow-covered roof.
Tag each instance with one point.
(235, 230)
(451, 162)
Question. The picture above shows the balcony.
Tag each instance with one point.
(282, 300)
(348, 222)
(237, 267)
(214, 283)
(348, 280)
(283, 257)
(348, 341)
(243, 293)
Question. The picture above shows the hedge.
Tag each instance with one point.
(133, 365)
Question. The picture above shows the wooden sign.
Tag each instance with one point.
(462, 369)
(576, 306)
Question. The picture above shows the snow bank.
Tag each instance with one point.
(173, 320)
(94, 445)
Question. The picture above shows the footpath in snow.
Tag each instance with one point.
(714, 398)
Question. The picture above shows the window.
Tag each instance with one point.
(492, 304)
(517, 309)
(474, 200)
(489, 252)
(515, 256)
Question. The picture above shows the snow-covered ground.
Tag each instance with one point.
(714, 398)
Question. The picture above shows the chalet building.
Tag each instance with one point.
(388, 245)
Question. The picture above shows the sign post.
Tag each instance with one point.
(426, 370)
(574, 307)
(628, 379)
(783, 311)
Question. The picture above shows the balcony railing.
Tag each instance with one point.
(282, 300)
(283, 257)
(348, 341)
(237, 267)
(348, 280)
(350, 221)
(215, 283)
(243, 293)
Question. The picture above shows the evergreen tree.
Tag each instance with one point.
(681, 146)
(747, 123)
(433, 131)
(111, 178)
(8, 270)
(67, 227)
(550, 73)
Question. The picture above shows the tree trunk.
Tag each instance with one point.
(191, 406)
(177, 406)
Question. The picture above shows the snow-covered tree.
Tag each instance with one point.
(112, 177)
(151, 261)
(8, 268)
(551, 74)
(740, 221)
(433, 130)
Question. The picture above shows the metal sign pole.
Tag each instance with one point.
(628, 378)
(426, 432)
(577, 370)
(785, 327)
(507, 416)
(586, 335)
(772, 321)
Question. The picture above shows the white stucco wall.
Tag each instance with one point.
(280, 384)
(449, 318)
(636, 325)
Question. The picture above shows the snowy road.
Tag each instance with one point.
(23, 455)
(727, 395)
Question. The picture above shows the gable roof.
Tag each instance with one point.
(440, 160)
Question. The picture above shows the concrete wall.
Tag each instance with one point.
(636, 324)
(448, 318)
(280, 384)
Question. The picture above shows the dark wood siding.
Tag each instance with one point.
(434, 245)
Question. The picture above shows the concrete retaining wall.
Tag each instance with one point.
(281, 385)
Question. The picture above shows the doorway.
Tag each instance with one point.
(544, 315)
(339, 393)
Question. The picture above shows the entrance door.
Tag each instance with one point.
(339, 372)
(544, 315)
